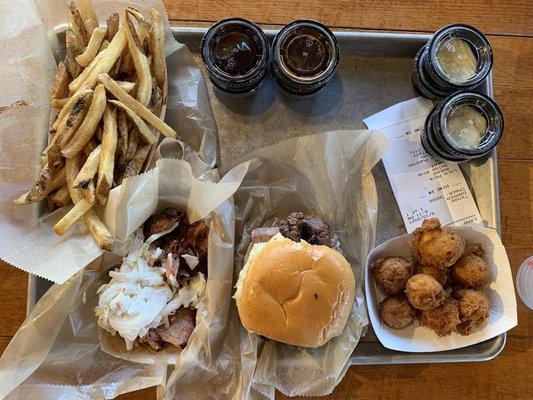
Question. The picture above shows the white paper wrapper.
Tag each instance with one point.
(414, 338)
(327, 175)
(57, 348)
(25, 76)
(71, 361)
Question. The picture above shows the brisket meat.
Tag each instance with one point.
(298, 226)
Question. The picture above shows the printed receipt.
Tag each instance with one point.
(423, 186)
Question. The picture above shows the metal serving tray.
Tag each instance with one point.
(374, 73)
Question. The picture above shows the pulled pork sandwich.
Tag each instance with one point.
(296, 287)
(152, 297)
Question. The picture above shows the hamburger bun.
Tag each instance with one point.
(295, 292)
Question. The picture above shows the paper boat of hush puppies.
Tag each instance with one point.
(440, 288)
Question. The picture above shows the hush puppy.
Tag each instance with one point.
(471, 270)
(424, 292)
(391, 273)
(436, 246)
(396, 311)
(473, 309)
(441, 275)
(443, 319)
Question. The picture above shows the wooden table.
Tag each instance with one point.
(509, 25)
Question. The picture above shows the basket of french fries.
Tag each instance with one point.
(108, 98)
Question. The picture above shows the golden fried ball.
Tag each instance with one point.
(473, 309)
(424, 292)
(396, 311)
(391, 273)
(471, 270)
(441, 275)
(436, 246)
(442, 319)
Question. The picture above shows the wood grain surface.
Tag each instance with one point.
(510, 26)
(498, 17)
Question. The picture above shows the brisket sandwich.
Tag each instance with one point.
(296, 287)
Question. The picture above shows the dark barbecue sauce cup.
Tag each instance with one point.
(236, 55)
(305, 56)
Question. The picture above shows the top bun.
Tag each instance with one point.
(295, 292)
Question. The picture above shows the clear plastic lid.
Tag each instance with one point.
(524, 282)
(461, 55)
(306, 51)
(235, 50)
(471, 123)
(457, 59)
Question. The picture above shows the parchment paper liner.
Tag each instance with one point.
(327, 175)
(415, 338)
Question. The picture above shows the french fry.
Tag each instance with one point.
(88, 15)
(76, 84)
(74, 214)
(67, 108)
(136, 107)
(93, 144)
(72, 42)
(136, 13)
(97, 228)
(89, 192)
(61, 197)
(92, 48)
(143, 32)
(133, 144)
(126, 86)
(99, 132)
(126, 64)
(75, 117)
(72, 169)
(104, 61)
(149, 58)
(122, 140)
(112, 23)
(89, 169)
(107, 156)
(143, 28)
(114, 72)
(156, 101)
(60, 83)
(144, 130)
(59, 103)
(142, 68)
(89, 124)
(73, 49)
(45, 184)
(104, 45)
(157, 45)
(76, 22)
(68, 127)
(53, 156)
(135, 165)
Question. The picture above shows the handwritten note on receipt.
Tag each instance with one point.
(423, 187)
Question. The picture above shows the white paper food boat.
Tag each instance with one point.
(420, 339)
